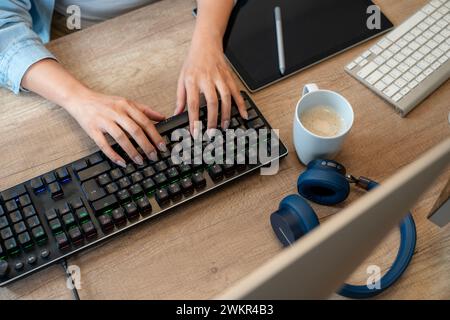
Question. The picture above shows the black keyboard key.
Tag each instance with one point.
(64, 209)
(6, 233)
(24, 239)
(55, 190)
(256, 123)
(2, 211)
(45, 253)
(62, 175)
(172, 173)
(228, 169)
(199, 180)
(51, 214)
(184, 168)
(92, 190)
(13, 192)
(82, 214)
(77, 203)
(103, 179)
(106, 223)
(79, 165)
(95, 158)
(160, 166)
(165, 154)
(49, 177)
(11, 245)
(37, 185)
(2, 252)
(116, 174)
(33, 222)
(136, 190)
(118, 216)
(18, 266)
(124, 182)
(68, 220)
(215, 172)
(16, 216)
(148, 184)
(174, 191)
(94, 171)
(20, 227)
(129, 169)
(131, 210)
(252, 114)
(11, 205)
(62, 241)
(187, 186)
(105, 203)
(31, 259)
(162, 196)
(137, 177)
(55, 225)
(3, 222)
(123, 195)
(75, 235)
(89, 229)
(24, 200)
(143, 204)
(160, 178)
(112, 187)
(234, 123)
(38, 233)
(149, 172)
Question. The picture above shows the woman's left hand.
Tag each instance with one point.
(206, 71)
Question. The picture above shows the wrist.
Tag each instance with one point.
(75, 97)
(208, 38)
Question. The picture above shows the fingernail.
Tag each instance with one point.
(162, 146)
(139, 160)
(226, 124)
(121, 163)
(245, 115)
(153, 156)
(210, 132)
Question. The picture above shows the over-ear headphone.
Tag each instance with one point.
(326, 182)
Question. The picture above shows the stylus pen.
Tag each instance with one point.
(280, 43)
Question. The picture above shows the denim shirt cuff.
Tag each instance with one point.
(20, 57)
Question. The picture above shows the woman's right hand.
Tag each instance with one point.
(99, 114)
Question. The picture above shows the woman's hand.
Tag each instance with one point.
(99, 114)
(206, 71)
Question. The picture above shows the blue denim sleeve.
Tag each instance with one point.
(20, 46)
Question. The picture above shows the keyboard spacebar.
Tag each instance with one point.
(406, 26)
(174, 122)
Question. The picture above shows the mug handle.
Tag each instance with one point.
(310, 87)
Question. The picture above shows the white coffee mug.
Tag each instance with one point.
(310, 146)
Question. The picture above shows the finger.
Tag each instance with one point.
(193, 97)
(149, 112)
(225, 107)
(102, 143)
(181, 97)
(212, 105)
(237, 97)
(124, 142)
(151, 131)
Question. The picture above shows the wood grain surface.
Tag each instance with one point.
(201, 248)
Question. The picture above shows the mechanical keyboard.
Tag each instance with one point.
(410, 62)
(76, 206)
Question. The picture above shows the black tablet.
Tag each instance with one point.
(313, 30)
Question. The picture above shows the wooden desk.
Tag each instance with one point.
(201, 248)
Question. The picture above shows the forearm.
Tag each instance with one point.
(50, 80)
(212, 20)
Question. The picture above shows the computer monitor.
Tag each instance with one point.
(318, 264)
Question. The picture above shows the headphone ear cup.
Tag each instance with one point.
(294, 219)
(326, 187)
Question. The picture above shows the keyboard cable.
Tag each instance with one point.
(76, 296)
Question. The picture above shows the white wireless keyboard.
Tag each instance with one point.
(410, 62)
